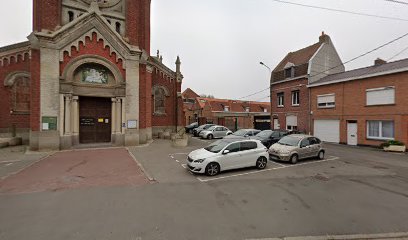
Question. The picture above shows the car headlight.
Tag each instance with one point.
(199, 160)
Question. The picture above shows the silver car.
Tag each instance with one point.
(215, 132)
(294, 147)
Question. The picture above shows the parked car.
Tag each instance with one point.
(243, 133)
(196, 131)
(295, 147)
(269, 137)
(189, 128)
(226, 154)
(215, 132)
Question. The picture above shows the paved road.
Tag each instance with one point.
(361, 191)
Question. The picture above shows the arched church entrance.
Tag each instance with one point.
(93, 92)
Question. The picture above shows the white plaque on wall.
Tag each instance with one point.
(132, 124)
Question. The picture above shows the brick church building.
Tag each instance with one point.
(85, 75)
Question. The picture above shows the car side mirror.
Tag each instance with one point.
(226, 152)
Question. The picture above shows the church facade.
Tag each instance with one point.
(85, 75)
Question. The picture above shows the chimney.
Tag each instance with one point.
(379, 61)
(324, 38)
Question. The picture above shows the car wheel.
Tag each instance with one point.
(294, 159)
(261, 162)
(212, 169)
(320, 156)
(210, 136)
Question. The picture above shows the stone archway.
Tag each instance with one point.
(93, 95)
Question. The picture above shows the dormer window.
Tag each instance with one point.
(265, 110)
(226, 108)
(289, 72)
(247, 109)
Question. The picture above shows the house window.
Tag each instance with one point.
(291, 123)
(289, 72)
(247, 109)
(281, 99)
(159, 100)
(382, 130)
(380, 96)
(226, 108)
(265, 110)
(295, 98)
(326, 101)
(20, 94)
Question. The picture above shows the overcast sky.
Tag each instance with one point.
(221, 42)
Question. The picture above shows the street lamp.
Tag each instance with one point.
(263, 64)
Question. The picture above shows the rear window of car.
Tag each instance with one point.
(248, 146)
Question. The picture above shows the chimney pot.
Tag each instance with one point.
(379, 62)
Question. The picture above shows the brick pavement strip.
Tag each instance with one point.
(75, 169)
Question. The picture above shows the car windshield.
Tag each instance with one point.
(240, 133)
(217, 146)
(210, 128)
(264, 134)
(192, 125)
(289, 141)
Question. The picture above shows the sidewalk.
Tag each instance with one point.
(14, 159)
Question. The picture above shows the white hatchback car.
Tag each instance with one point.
(228, 154)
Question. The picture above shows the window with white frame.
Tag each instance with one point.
(281, 99)
(383, 130)
(226, 108)
(380, 96)
(295, 98)
(326, 101)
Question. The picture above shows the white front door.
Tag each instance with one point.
(352, 134)
(276, 125)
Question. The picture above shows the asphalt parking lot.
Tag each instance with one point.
(167, 164)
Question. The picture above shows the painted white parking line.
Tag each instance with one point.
(331, 158)
(177, 161)
(184, 165)
(8, 164)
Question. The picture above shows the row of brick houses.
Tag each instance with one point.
(311, 92)
(234, 114)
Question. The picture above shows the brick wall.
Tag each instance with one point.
(46, 14)
(6, 117)
(169, 119)
(301, 111)
(350, 100)
(94, 47)
(138, 14)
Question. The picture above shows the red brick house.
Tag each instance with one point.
(233, 114)
(86, 76)
(365, 106)
(289, 93)
(189, 104)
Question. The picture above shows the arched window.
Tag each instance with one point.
(159, 101)
(70, 16)
(19, 84)
(118, 25)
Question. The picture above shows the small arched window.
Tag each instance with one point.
(118, 26)
(159, 101)
(70, 16)
(19, 84)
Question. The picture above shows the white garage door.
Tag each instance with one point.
(327, 130)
